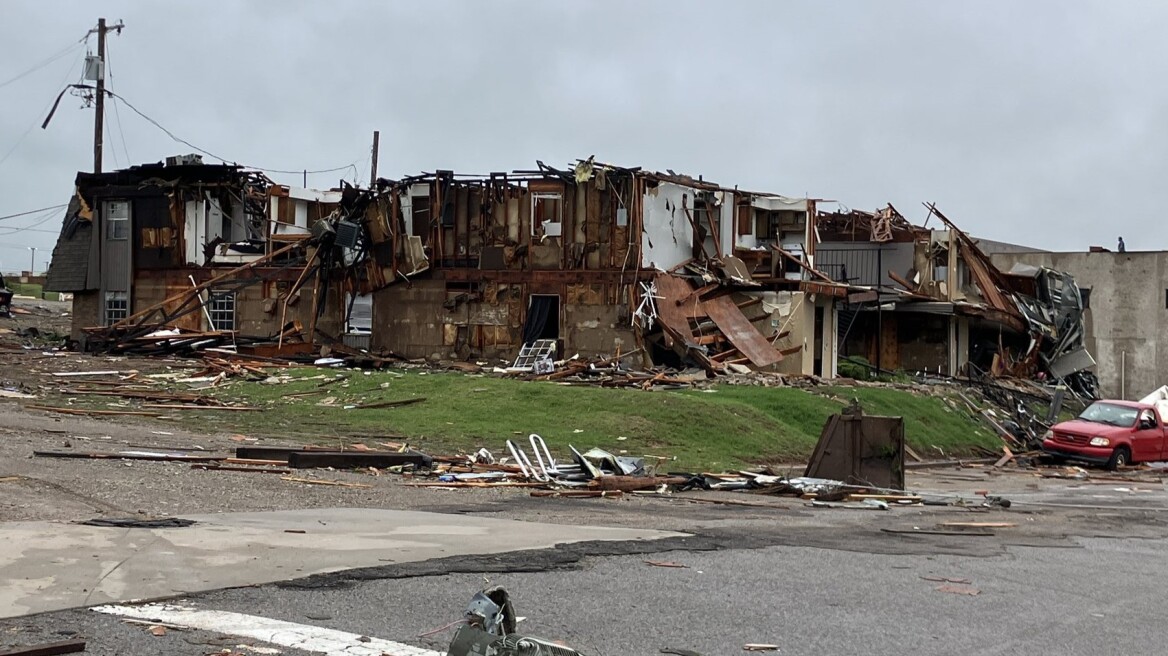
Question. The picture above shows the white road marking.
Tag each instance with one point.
(276, 632)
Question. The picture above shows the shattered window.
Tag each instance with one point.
(1109, 413)
(117, 307)
(545, 208)
(1085, 296)
(221, 307)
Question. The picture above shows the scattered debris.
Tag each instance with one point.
(316, 481)
(47, 649)
(856, 448)
(134, 522)
(942, 579)
(489, 627)
(959, 590)
(665, 563)
(128, 455)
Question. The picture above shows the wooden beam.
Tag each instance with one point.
(694, 226)
(801, 264)
(354, 459)
(47, 649)
(895, 277)
(697, 293)
(142, 314)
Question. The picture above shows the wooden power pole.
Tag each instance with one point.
(99, 101)
(373, 158)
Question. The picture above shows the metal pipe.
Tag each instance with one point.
(1123, 374)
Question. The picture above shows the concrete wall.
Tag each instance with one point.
(1126, 318)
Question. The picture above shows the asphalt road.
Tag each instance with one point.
(1080, 573)
(1098, 595)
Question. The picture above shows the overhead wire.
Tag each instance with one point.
(109, 70)
(352, 165)
(18, 247)
(49, 214)
(37, 121)
(52, 58)
(36, 211)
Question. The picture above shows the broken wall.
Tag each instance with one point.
(258, 306)
(668, 237)
(440, 319)
(792, 313)
(1127, 305)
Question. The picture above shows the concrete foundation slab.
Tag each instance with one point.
(50, 566)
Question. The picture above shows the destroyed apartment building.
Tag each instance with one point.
(595, 260)
(937, 304)
(190, 254)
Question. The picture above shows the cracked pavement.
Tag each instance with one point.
(1078, 574)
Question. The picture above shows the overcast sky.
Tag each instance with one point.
(1041, 123)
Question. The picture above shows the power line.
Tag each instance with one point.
(117, 115)
(352, 165)
(13, 231)
(38, 211)
(50, 214)
(46, 62)
(35, 121)
(18, 247)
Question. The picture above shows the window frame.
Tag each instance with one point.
(222, 316)
(111, 315)
(537, 196)
(117, 228)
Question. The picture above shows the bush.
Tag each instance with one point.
(854, 367)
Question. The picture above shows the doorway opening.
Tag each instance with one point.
(543, 318)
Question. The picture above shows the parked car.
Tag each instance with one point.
(1111, 433)
(5, 299)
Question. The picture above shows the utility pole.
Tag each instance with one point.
(99, 101)
(99, 115)
(373, 168)
(32, 261)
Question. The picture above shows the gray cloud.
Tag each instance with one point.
(1032, 122)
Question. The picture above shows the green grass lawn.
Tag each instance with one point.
(28, 289)
(724, 427)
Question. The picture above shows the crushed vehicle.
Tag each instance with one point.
(1111, 433)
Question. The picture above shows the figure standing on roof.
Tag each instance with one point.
(1122, 246)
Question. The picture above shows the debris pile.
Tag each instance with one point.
(489, 627)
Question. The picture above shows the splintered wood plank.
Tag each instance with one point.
(741, 333)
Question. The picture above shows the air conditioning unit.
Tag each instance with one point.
(348, 234)
(184, 160)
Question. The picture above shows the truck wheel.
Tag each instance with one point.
(5, 310)
(1120, 457)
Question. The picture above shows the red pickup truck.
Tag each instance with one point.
(1112, 433)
